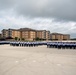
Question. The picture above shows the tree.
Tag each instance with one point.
(19, 39)
(16, 38)
(37, 39)
(9, 38)
(23, 39)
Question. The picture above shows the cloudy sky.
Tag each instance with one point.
(54, 15)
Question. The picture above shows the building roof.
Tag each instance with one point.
(56, 33)
(10, 29)
(14, 29)
(59, 34)
(40, 30)
(26, 29)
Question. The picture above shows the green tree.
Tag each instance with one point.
(23, 39)
(16, 38)
(19, 39)
(37, 39)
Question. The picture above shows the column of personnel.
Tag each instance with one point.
(61, 45)
(58, 45)
(4, 42)
(27, 44)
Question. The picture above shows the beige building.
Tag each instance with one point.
(31, 34)
(10, 33)
(66, 36)
(15, 33)
(39, 34)
(23, 33)
(4, 33)
(47, 35)
(28, 34)
(58, 36)
(43, 34)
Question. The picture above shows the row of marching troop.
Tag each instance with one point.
(23, 44)
(27, 44)
(61, 45)
(58, 45)
(4, 42)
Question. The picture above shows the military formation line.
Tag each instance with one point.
(58, 45)
(62, 45)
(27, 44)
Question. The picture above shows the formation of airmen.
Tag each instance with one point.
(27, 44)
(58, 45)
(4, 42)
(62, 45)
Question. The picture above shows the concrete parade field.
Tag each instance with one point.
(36, 61)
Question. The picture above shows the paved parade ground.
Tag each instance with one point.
(36, 61)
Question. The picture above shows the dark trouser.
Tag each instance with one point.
(63, 46)
(59, 46)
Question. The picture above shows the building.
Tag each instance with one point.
(31, 34)
(4, 33)
(0, 35)
(16, 33)
(47, 35)
(27, 33)
(10, 33)
(43, 34)
(58, 36)
(66, 37)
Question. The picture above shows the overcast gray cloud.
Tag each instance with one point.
(53, 15)
(59, 9)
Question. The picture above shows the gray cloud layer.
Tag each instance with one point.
(59, 9)
(53, 15)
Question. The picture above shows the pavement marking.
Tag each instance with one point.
(58, 64)
(34, 60)
(17, 61)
